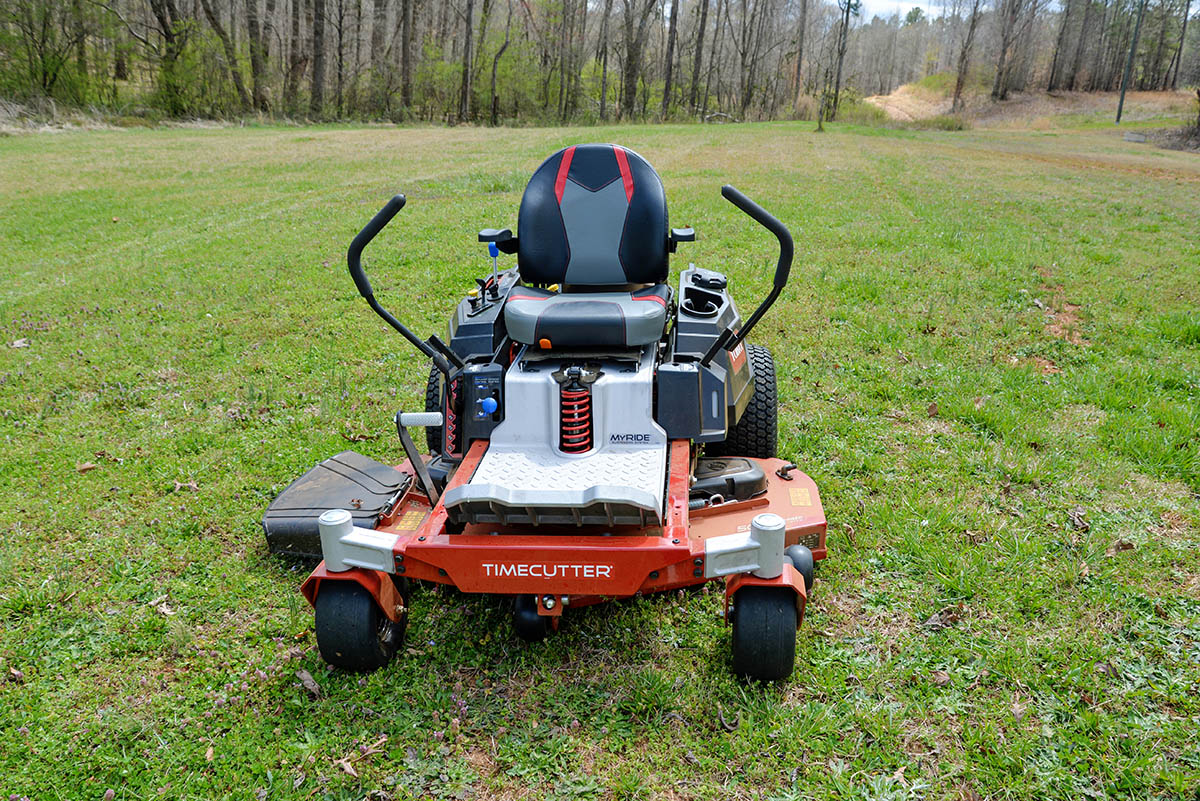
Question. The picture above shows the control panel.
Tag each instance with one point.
(483, 399)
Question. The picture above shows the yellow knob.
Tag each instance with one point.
(553, 287)
(474, 293)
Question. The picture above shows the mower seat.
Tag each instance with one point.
(594, 220)
(587, 319)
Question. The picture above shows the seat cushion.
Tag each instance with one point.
(587, 319)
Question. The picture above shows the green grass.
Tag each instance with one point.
(188, 318)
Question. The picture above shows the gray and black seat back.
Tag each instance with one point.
(593, 215)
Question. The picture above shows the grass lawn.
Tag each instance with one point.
(989, 360)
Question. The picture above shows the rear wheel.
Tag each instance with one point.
(352, 631)
(433, 403)
(756, 434)
(764, 633)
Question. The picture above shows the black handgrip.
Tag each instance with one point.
(369, 231)
(728, 340)
(772, 224)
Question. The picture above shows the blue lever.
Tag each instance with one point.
(489, 405)
(493, 251)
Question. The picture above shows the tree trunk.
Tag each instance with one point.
(496, 65)
(841, 56)
(1187, 9)
(341, 54)
(464, 103)
(257, 65)
(1077, 60)
(964, 59)
(316, 104)
(604, 60)
(80, 34)
(231, 62)
(666, 103)
(637, 23)
(694, 93)
(1053, 83)
(379, 89)
(800, 52)
(406, 52)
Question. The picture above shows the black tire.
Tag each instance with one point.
(433, 403)
(764, 633)
(756, 434)
(529, 625)
(352, 631)
(802, 560)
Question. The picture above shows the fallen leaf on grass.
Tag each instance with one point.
(346, 763)
(309, 683)
(726, 725)
(939, 678)
(1019, 708)
(358, 436)
(160, 605)
(19, 343)
(110, 794)
(945, 618)
(1078, 520)
(208, 755)
(83, 468)
(1117, 547)
(15, 675)
(190, 486)
(932, 410)
(1084, 570)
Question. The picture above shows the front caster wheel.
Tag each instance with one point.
(764, 633)
(352, 631)
(529, 625)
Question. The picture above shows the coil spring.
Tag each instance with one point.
(575, 419)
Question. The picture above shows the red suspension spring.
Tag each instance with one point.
(575, 419)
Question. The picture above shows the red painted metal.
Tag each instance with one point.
(380, 585)
(790, 579)
(584, 566)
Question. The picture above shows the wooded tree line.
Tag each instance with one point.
(498, 61)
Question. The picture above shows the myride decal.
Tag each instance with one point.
(544, 570)
(627, 439)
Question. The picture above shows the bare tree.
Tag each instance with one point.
(670, 59)
(964, 56)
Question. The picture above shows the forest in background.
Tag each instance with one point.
(571, 61)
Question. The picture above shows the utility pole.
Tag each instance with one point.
(1137, 29)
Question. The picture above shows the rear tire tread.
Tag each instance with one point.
(756, 434)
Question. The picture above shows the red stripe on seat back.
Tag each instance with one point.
(564, 166)
(626, 175)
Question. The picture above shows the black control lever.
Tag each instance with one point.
(730, 339)
(354, 261)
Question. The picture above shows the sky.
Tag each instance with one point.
(885, 8)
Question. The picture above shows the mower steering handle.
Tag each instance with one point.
(772, 224)
(729, 339)
(369, 231)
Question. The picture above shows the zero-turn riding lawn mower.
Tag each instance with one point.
(594, 434)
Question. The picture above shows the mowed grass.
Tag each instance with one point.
(989, 360)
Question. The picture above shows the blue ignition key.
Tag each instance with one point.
(489, 405)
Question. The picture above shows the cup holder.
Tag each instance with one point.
(701, 304)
